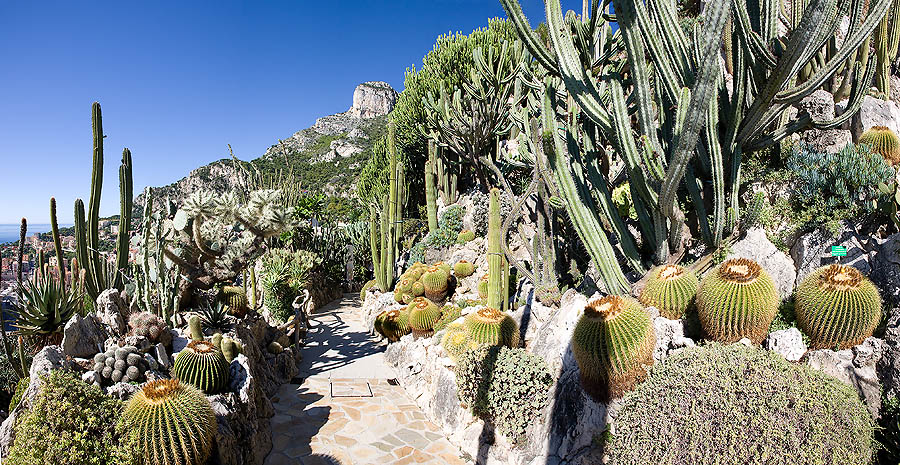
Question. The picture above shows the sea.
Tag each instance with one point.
(10, 232)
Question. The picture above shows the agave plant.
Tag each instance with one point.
(45, 306)
(215, 316)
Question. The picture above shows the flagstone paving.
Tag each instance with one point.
(345, 411)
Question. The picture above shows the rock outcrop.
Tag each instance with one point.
(373, 98)
(756, 246)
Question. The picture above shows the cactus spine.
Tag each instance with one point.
(423, 315)
(613, 343)
(737, 300)
(173, 423)
(837, 307)
(383, 241)
(463, 269)
(671, 289)
(492, 327)
(498, 267)
(201, 364)
(884, 142)
(435, 283)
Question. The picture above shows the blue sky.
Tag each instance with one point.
(180, 80)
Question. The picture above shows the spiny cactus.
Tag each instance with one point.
(837, 306)
(463, 269)
(492, 327)
(231, 349)
(235, 300)
(365, 289)
(423, 315)
(671, 289)
(882, 141)
(404, 285)
(456, 341)
(172, 422)
(613, 342)
(196, 328)
(435, 281)
(202, 365)
(384, 230)
(449, 314)
(122, 364)
(415, 272)
(393, 325)
(737, 300)
(150, 326)
(465, 235)
(418, 289)
(483, 286)
(445, 267)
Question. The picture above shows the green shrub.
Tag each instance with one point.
(888, 436)
(21, 386)
(449, 226)
(740, 405)
(284, 275)
(69, 422)
(507, 386)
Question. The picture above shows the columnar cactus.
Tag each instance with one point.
(737, 300)
(884, 142)
(196, 328)
(173, 423)
(837, 307)
(430, 197)
(202, 365)
(435, 283)
(383, 240)
(463, 269)
(492, 327)
(613, 343)
(423, 315)
(671, 289)
(498, 267)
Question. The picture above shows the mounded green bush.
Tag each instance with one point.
(737, 300)
(172, 423)
(883, 141)
(202, 365)
(463, 269)
(422, 317)
(613, 344)
(671, 289)
(69, 423)
(21, 386)
(492, 327)
(449, 314)
(735, 404)
(836, 306)
(888, 435)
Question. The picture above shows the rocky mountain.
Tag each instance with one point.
(327, 156)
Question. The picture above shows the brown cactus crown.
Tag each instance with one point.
(489, 315)
(840, 278)
(670, 272)
(421, 304)
(161, 390)
(463, 261)
(606, 308)
(393, 314)
(879, 128)
(201, 347)
(739, 270)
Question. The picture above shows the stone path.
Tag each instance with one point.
(346, 412)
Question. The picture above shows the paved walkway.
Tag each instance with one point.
(346, 412)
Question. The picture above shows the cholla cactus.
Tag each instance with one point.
(217, 237)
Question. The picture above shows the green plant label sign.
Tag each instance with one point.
(838, 251)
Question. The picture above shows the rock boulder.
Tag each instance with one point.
(756, 246)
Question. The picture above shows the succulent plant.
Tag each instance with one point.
(415, 271)
(612, 343)
(418, 289)
(737, 300)
(275, 347)
(836, 306)
(407, 298)
(391, 327)
(671, 289)
(492, 327)
(465, 236)
(365, 289)
(435, 281)
(483, 286)
(456, 341)
(122, 364)
(423, 315)
(463, 269)
(444, 266)
(398, 297)
(195, 328)
(202, 365)
(882, 141)
(172, 423)
(449, 314)
(404, 285)
(214, 316)
(235, 300)
(45, 305)
(152, 327)
(231, 349)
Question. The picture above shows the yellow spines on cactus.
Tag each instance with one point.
(882, 141)
(362, 292)
(423, 315)
(418, 289)
(483, 286)
(449, 314)
(195, 328)
(837, 307)
(492, 327)
(435, 281)
(463, 269)
(404, 285)
(613, 343)
(408, 298)
(671, 289)
(444, 266)
(171, 423)
(201, 364)
(235, 300)
(456, 341)
(391, 327)
(737, 300)
(398, 297)
(415, 272)
(464, 236)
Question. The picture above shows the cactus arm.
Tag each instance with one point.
(495, 254)
(57, 245)
(671, 35)
(430, 194)
(718, 175)
(693, 188)
(93, 262)
(627, 145)
(753, 41)
(126, 196)
(529, 37)
(81, 249)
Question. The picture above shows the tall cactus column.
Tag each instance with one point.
(498, 267)
(57, 244)
(383, 241)
(430, 196)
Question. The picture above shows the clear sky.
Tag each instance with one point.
(179, 80)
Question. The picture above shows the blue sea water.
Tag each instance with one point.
(10, 232)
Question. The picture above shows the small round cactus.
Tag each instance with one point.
(837, 307)
(231, 349)
(882, 141)
(463, 269)
(449, 314)
(492, 327)
(445, 267)
(671, 289)
(150, 326)
(408, 298)
(456, 341)
(202, 365)
(423, 314)
(465, 236)
(398, 297)
(365, 289)
(415, 272)
(404, 286)
(275, 347)
(418, 289)
(391, 327)
(613, 343)
(235, 300)
(483, 286)
(435, 281)
(171, 422)
(123, 364)
(737, 300)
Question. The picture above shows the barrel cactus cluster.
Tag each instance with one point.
(121, 365)
(423, 315)
(435, 282)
